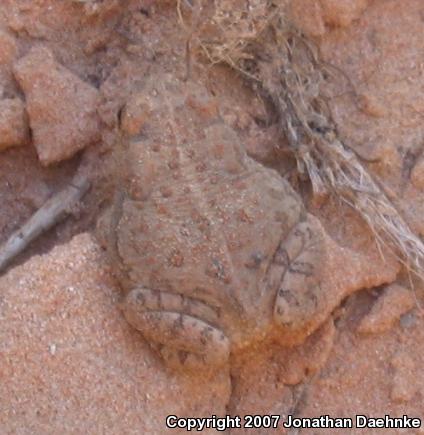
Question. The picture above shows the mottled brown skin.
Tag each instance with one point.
(213, 249)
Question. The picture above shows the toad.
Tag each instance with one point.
(213, 249)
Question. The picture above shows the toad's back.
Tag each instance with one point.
(201, 218)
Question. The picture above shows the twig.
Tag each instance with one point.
(55, 209)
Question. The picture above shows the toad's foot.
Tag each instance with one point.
(172, 323)
(300, 295)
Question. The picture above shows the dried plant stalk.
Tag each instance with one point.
(338, 170)
(48, 215)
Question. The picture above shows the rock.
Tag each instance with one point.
(61, 107)
(13, 123)
(67, 352)
(390, 306)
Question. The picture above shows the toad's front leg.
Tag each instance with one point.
(301, 297)
(175, 327)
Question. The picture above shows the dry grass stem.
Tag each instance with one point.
(55, 209)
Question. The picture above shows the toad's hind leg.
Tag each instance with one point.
(179, 327)
(300, 296)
